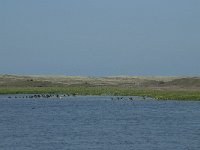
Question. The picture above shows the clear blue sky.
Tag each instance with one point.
(100, 37)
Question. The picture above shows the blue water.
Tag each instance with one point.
(98, 123)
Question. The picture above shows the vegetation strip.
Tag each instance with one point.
(115, 91)
(165, 87)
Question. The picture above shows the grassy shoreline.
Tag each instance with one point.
(165, 87)
(160, 94)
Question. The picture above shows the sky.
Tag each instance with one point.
(100, 37)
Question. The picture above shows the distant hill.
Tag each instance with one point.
(128, 81)
(193, 82)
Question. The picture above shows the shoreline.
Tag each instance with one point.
(160, 87)
(108, 91)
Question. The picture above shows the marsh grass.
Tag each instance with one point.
(159, 94)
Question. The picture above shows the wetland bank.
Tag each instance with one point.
(172, 88)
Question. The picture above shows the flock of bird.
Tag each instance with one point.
(35, 96)
(60, 96)
(125, 98)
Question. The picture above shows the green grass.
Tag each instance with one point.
(122, 91)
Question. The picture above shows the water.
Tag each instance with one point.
(98, 123)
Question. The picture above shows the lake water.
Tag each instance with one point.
(98, 123)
